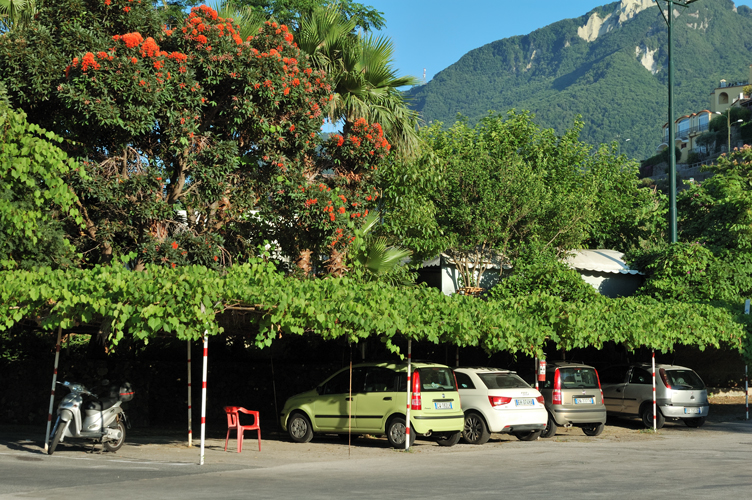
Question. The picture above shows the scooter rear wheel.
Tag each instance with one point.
(59, 430)
(116, 445)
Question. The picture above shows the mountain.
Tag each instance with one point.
(610, 66)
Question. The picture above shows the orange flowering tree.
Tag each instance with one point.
(185, 130)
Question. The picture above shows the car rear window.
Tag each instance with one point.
(436, 379)
(684, 379)
(578, 378)
(503, 381)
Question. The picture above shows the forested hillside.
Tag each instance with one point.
(617, 81)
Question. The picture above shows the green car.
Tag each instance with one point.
(376, 403)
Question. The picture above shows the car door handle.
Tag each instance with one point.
(348, 399)
(388, 398)
(618, 390)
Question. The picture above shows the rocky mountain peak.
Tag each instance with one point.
(623, 12)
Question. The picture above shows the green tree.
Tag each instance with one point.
(182, 130)
(361, 68)
(34, 196)
(16, 13)
(290, 12)
(507, 183)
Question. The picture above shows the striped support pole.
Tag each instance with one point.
(536, 373)
(457, 358)
(190, 400)
(203, 397)
(655, 409)
(409, 393)
(52, 393)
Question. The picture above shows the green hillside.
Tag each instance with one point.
(557, 75)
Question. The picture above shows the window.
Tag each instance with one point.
(723, 98)
(503, 381)
(684, 379)
(436, 379)
(380, 380)
(578, 378)
(464, 381)
(640, 376)
(340, 383)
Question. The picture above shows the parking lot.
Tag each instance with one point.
(626, 461)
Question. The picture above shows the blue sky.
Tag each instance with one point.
(434, 34)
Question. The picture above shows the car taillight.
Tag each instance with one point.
(499, 400)
(416, 403)
(541, 400)
(664, 378)
(603, 401)
(557, 400)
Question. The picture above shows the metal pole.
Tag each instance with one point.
(655, 409)
(190, 400)
(203, 397)
(728, 127)
(672, 131)
(536, 373)
(409, 393)
(457, 358)
(52, 393)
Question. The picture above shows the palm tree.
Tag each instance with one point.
(365, 83)
(16, 13)
(246, 19)
(380, 260)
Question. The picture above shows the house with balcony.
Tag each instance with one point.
(689, 128)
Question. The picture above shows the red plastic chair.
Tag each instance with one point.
(233, 423)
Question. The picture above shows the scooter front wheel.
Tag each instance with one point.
(116, 445)
(59, 430)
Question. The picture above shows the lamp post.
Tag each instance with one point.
(728, 126)
(671, 131)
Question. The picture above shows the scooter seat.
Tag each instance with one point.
(102, 404)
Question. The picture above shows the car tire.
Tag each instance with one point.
(476, 430)
(528, 436)
(647, 417)
(551, 427)
(593, 429)
(395, 433)
(694, 422)
(449, 439)
(299, 428)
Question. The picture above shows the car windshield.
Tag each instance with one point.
(684, 379)
(578, 378)
(503, 381)
(436, 379)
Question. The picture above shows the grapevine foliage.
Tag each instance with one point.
(185, 302)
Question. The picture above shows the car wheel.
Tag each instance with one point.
(449, 439)
(299, 428)
(550, 429)
(116, 445)
(694, 422)
(395, 433)
(647, 417)
(593, 429)
(476, 430)
(528, 436)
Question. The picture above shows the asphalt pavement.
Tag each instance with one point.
(625, 462)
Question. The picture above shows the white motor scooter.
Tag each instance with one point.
(101, 420)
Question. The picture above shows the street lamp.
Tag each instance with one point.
(671, 132)
(728, 126)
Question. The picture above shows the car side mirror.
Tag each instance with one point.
(319, 389)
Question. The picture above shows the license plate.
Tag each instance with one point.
(524, 402)
(584, 401)
(689, 411)
(443, 405)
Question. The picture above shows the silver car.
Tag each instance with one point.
(679, 392)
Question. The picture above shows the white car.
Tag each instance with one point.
(499, 401)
